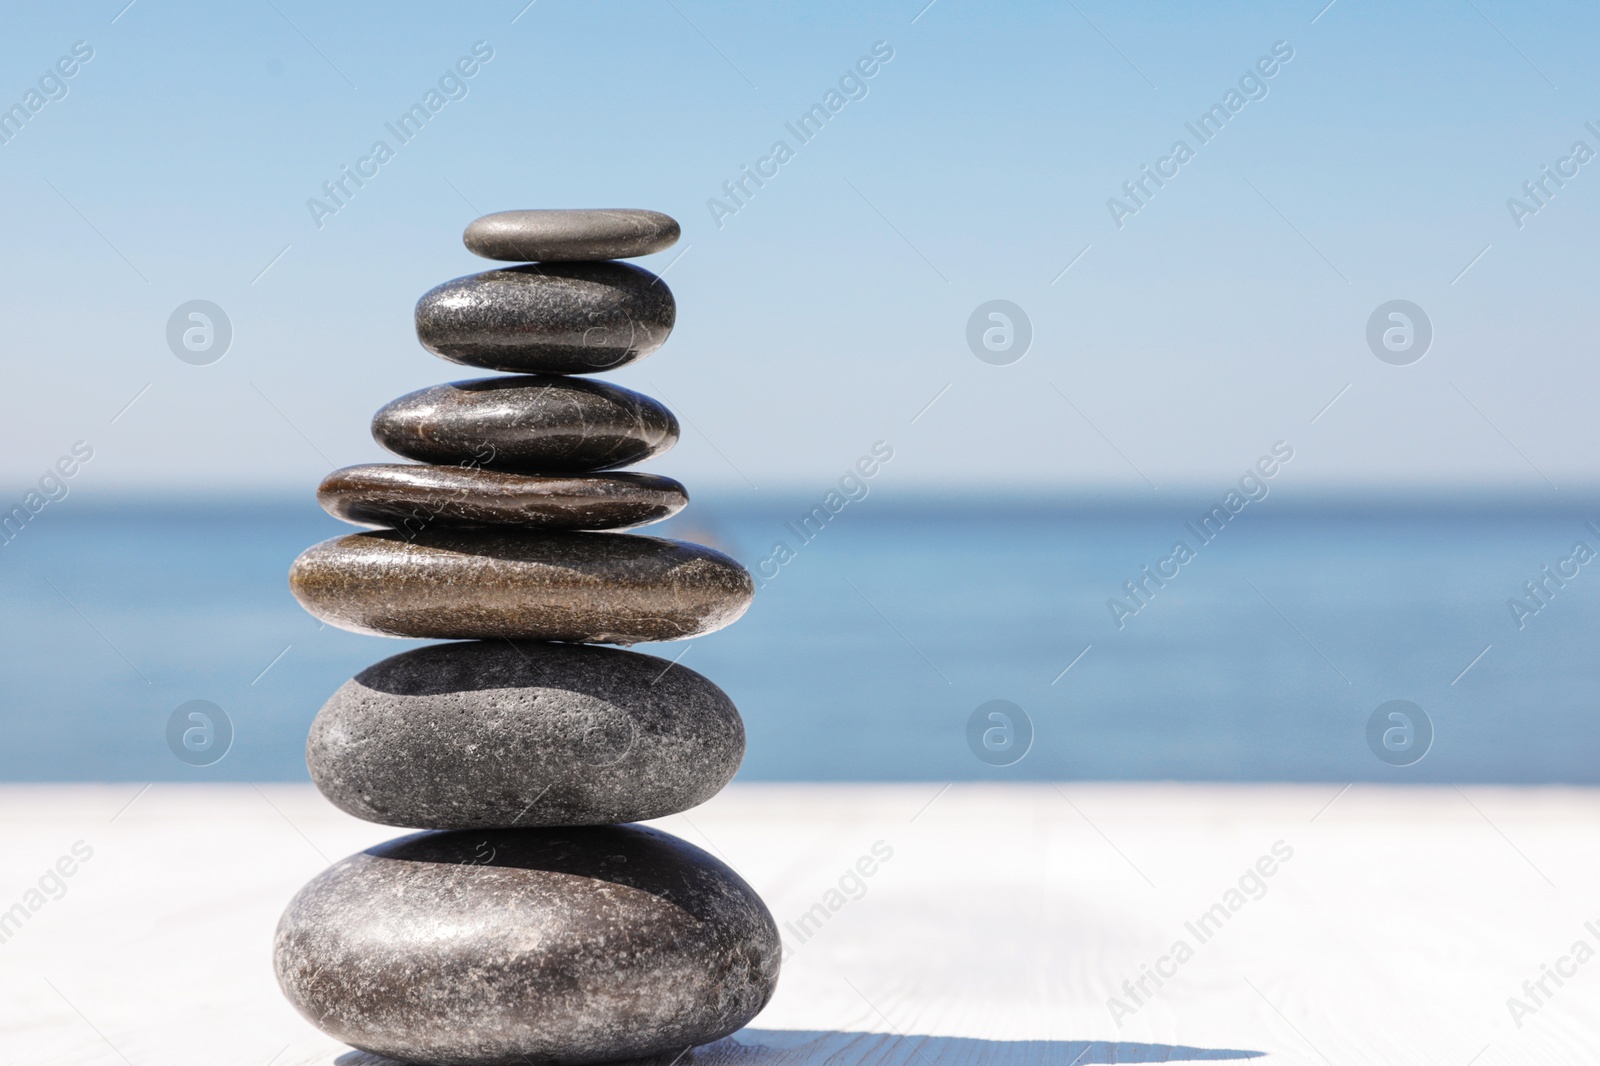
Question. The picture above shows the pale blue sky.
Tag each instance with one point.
(833, 306)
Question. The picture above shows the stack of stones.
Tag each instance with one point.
(527, 924)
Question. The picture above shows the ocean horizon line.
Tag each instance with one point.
(1343, 498)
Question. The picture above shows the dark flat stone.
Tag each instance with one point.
(570, 234)
(559, 318)
(534, 424)
(558, 947)
(595, 588)
(469, 735)
(414, 498)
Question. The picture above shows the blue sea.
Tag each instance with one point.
(876, 649)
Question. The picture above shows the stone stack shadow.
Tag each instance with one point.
(529, 922)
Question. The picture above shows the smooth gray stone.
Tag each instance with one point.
(570, 234)
(591, 588)
(474, 735)
(558, 318)
(533, 424)
(503, 947)
(414, 498)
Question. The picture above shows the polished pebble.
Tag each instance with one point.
(559, 947)
(594, 588)
(481, 734)
(534, 424)
(559, 318)
(570, 234)
(414, 498)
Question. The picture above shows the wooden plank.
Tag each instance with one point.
(998, 925)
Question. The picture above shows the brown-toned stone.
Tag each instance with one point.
(534, 424)
(597, 588)
(413, 498)
(503, 947)
(477, 734)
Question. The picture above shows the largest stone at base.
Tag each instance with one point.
(516, 946)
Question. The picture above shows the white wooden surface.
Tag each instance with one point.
(1004, 921)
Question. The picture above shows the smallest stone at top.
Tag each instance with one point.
(571, 235)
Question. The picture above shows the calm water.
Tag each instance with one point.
(868, 652)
